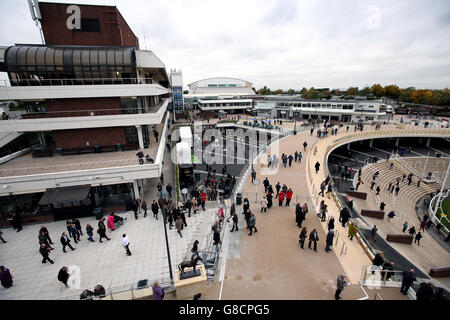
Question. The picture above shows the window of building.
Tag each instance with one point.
(89, 25)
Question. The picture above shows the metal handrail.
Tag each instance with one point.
(86, 113)
(74, 82)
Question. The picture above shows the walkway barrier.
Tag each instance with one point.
(130, 292)
(433, 210)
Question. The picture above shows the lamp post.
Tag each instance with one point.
(167, 239)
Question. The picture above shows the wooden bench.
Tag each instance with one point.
(400, 238)
(373, 213)
(356, 194)
(442, 272)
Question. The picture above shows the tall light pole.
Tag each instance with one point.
(423, 170)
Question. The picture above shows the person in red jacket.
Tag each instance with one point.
(203, 197)
(289, 194)
(281, 198)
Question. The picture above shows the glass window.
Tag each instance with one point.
(85, 57)
(127, 57)
(110, 57)
(94, 57)
(49, 57)
(102, 57)
(59, 57)
(119, 57)
(40, 56)
(21, 56)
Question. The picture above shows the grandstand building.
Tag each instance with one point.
(88, 100)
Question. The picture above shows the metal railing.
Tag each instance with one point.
(111, 292)
(75, 82)
(85, 113)
(433, 209)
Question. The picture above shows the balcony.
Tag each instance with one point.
(30, 89)
(26, 174)
(83, 119)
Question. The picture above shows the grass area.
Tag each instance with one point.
(444, 213)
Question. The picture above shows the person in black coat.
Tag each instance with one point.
(329, 240)
(425, 292)
(65, 241)
(155, 209)
(331, 224)
(44, 251)
(17, 222)
(47, 234)
(78, 226)
(408, 278)
(63, 275)
(345, 216)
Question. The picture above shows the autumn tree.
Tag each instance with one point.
(377, 90)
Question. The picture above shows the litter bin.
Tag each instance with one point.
(97, 148)
(98, 212)
(239, 198)
(295, 132)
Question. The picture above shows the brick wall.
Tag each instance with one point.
(110, 105)
(114, 31)
(78, 138)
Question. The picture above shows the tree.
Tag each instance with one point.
(291, 91)
(377, 90)
(352, 91)
(279, 91)
(304, 93)
(392, 91)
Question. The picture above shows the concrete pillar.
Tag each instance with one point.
(428, 142)
(140, 137)
(420, 140)
(397, 141)
(371, 143)
(348, 146)
(136, 189)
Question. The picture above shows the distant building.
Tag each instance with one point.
(176, 80)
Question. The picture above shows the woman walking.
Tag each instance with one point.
(303, 235)
(102, 230)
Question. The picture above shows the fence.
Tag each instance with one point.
(131, 289)
(74, 82)
(435, 209)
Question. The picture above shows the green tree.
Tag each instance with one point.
(279, 91)
(291, 91)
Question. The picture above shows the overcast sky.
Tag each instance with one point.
(285, 43)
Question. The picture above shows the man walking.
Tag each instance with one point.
(313, 237)
(374, 233)
(235, 221)
(90, 232)
(252, 223)
(341, 284)
(278, 187)
(126, 244)
(253, 174)
(317, 166)
(329, 240)
(44, 251)
(408, 278)
(304, 146)
(65, 241)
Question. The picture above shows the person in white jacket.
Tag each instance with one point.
(264, 204)
(126, 244)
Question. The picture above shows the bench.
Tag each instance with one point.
(108, 148)
(87, 150)
(442, 272)
(70, 151)
(42, 153)
(128, 147)
(400, 238)
(356, 194)
(373, 213)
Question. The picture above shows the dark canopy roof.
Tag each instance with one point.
(77, 193)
